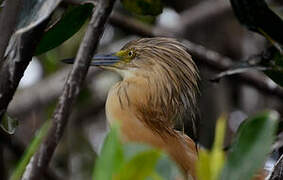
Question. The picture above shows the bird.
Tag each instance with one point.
(158, 92)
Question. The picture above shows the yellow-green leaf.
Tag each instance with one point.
(210, 163)
(139, 167)
(111, 157)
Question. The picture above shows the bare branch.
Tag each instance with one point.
(42, 93)
(71, 89)
(277, 172)
(131, 25)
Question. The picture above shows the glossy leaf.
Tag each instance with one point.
(143, 7)
(66, 27)
(251, 146)
(33, 13)
(258, 17)
(111, 158)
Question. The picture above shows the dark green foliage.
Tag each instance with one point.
(251, 146)
(257, 16)
(132, 161)
(66, 27)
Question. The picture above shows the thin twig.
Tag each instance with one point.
(71, 89)
(277, 172)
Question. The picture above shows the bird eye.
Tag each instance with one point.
(131, 53)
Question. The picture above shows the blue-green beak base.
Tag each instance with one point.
(98, 60)
(104, 60)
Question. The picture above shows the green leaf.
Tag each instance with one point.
(210, 164)
(203, 166)
(66, 27)
(217, 155)
(111, 158)
(251, 146)
(165, 167)
(33, 147)
(258, 17)
(9, 124)
(143, 7)
(139, 167)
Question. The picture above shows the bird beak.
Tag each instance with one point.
(105, 60)
(99, 60)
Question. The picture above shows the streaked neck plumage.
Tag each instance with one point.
(145, 118)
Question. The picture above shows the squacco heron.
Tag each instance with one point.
(158, 90)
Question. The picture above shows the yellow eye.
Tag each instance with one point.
(131, 53)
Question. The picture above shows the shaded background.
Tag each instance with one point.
(210, 23)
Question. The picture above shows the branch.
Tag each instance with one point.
(208, 57)
(202, 13)
(71, 89)
(131, 25)
(42, 93)
(277, 172)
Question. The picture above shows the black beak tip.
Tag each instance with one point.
(68, 61)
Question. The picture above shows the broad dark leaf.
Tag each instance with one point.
(66, 27)
(33, 18)
(257, 16)
(33, 14)
(251, 146)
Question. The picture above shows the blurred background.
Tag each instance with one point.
(210, 23)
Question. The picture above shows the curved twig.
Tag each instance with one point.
(71, 89)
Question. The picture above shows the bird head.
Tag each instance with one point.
(158, 54)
